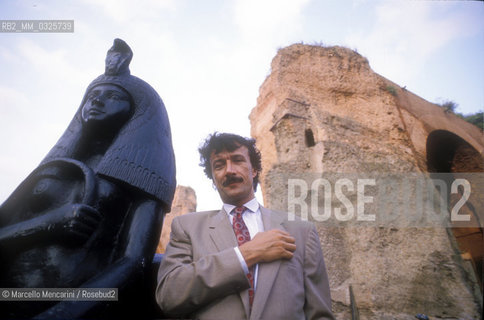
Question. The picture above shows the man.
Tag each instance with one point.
(213, 269)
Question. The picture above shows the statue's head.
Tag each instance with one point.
(116, 96)
(106, 106)
(125, 117)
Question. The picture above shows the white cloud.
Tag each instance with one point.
(125, 10)
(11, 99)
(61, 64)
(269, 19)
(406, 34)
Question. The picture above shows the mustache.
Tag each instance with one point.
(232, 179)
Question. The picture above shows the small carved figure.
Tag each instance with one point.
(90, 215)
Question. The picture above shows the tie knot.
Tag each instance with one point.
(239, 210)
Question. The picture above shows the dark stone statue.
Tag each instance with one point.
(90, 215)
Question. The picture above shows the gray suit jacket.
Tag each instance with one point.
(201, 277)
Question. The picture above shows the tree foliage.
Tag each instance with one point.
(449, 106)
(476, 119)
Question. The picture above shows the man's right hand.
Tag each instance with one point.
(268, 246)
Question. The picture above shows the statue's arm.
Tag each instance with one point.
(25, 229)
(142, 235)
(76, 221)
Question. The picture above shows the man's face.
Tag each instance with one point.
(233, 175)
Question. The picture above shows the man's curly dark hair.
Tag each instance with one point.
(227, 141)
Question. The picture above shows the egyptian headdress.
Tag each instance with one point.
(141, 154)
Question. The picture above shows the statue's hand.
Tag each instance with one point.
(80, 222)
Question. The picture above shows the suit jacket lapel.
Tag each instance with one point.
(267, 271)
(222, 234)
(221, 231)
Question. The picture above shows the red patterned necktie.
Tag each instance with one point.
(242, 234)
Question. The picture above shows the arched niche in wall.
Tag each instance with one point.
(449, 153)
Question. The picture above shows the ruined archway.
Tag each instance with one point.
(449, 153)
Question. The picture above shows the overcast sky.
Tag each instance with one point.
(207, 60)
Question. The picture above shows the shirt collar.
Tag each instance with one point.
(252, 205)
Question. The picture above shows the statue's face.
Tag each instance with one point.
(106, 104)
